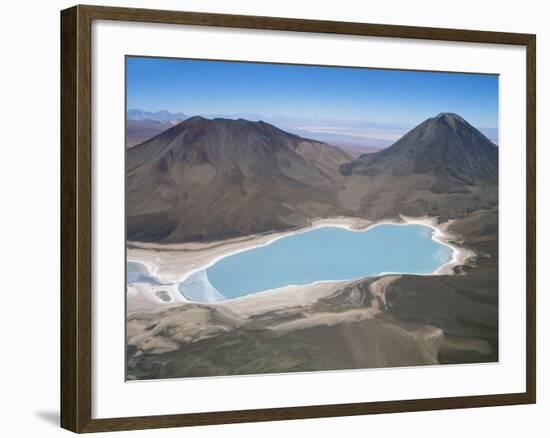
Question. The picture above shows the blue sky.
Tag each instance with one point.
(332, 93)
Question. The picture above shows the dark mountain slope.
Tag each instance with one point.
(211, 179)
(446, 146)
(444, 167)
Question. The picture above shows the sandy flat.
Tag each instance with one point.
(144, 297)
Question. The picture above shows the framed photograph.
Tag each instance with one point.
(269, 218)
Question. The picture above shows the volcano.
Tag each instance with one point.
(446, 147)
(209, 179)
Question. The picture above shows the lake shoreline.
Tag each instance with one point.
(165, 261)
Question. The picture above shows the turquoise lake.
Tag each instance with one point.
(321, 254)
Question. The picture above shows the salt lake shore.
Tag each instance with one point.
(171, 264)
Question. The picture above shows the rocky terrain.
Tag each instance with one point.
(258, 178)
(208, 180)
(214, 179)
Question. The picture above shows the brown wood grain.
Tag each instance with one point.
(76, 223)
(68, 346)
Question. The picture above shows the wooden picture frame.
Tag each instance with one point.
(76, 217)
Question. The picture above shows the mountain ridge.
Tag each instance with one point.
(255, 177)
(209, 179)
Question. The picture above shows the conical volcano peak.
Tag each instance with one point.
(450, 119)
(449, 116)
(446, 147)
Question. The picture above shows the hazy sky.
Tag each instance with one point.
(342, 93)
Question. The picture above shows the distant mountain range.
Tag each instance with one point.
(213, 179)
(355, 136)
(163, 115)
(138, 131)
